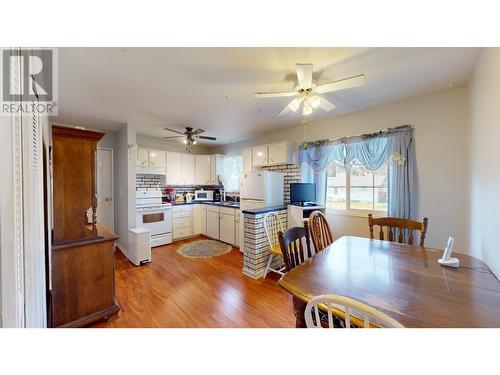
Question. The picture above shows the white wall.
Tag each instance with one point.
(125, 184)
(484, 136)
(440, 121)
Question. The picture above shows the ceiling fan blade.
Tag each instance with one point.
(304, 75)
(325, 104)
(342, 84)
(175, 136)
(293, 106)
(206, 137)
(172, 130)
(274, 94)
(198, 131)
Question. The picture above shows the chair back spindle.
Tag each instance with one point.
(351, 310)
(397, 227)
(292, 246)
(321, 234)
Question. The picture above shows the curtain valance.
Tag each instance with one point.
(371, 150)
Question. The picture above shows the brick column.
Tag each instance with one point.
(256, 246)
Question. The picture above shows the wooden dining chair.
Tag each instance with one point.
(397, 225)
(319, 229)
(272, 226)
(325, 310)
(292, 246)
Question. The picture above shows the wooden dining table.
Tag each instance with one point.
(404, 281)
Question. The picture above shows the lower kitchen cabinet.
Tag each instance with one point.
(199, 219)
(226, 230)
(182, 222)
(213, 223)
(237, 228)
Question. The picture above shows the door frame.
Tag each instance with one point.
(112, 180)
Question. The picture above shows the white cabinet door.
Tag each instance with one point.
(142, 157)
(247, 160)
(197, 217)
(174, 168)
(259, 156)
(203, 219)
(213, 224)
(157, 158)
(278, 153)
(237, 229)
(215, 168)
(202, 167)
(187, 169)
(227, 228)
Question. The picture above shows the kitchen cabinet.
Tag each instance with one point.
(237, 228)
(149, 160)
(199, 219)
(182, 221)
(157, 159)
(174, 168)
(216, 168)
(187, 171)
(226, 227)
(278, 153)
(213, 222)
(142, 157)
(202, 167)
(259, 156)
(247, 160)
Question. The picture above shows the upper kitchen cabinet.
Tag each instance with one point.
(174, 168)
(157, 159)
(216, 168)
(202, 166)
(247, 160)
(187, 161)
(281, 153)
(142, 157)
(151, 161)
(278, 153)
(259, 156)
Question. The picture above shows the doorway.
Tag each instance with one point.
(105, 195)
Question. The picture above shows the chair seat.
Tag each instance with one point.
(276, 249)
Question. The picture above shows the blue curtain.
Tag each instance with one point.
(403, 194)
(314, 159)
(372, 150)
(320, 154)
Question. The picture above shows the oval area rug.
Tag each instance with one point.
(204, 249)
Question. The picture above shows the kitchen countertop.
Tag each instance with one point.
(264, 210)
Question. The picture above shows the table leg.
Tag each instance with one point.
(298, 310)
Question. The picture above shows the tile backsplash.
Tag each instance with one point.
(148, 182)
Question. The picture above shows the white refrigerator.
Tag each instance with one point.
(259, 189)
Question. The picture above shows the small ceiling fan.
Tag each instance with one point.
(190, 136)
(306, 91)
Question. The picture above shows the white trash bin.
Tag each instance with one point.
(140, 246)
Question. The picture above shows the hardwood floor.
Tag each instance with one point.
(174, 291)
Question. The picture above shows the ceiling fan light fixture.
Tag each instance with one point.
(185, 141)
(315, 101)
(195, 142)
(307, 110)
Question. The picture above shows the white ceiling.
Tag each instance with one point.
(212, 88)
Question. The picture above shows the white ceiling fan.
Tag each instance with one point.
(306, 91)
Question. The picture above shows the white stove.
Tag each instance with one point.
(153, 214)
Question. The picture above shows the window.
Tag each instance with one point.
(355, 188)
(232, 166)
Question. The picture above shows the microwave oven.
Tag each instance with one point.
(203, 195)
